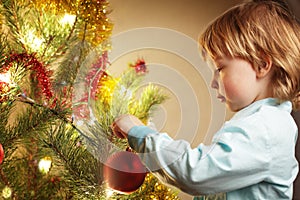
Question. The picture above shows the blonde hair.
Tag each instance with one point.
(255, 31)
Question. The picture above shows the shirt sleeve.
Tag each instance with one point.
(231, 162)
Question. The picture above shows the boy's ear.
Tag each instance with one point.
(264, 70)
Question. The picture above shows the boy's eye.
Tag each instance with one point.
(219, 69)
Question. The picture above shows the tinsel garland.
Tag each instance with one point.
(96, 72)
(107, 83)
(152, 189)
(30, 62)
(93, 13)
(160, 191)
(105, 89)
(4, 88)
(90, 82)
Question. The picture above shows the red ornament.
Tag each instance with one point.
(139, 66)
(1, 153)
(124, 172)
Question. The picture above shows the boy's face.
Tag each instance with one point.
(236, 82)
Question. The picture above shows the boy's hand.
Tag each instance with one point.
(123, 124)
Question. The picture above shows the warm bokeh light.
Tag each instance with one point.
(45, 165)
(68, 19)
(5, 78)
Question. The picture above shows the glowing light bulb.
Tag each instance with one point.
(68, 20)
(32, 40)
(109, 192)
(5, 78)
(45, 165)
(6, 192)
(37, 42)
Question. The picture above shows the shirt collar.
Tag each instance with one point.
(255, 106)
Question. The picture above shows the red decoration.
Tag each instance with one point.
(55, 179)
(4, 88)
(124, 172)
(90, 84)
(1, 153)
(96, 72)
(40, 73)
(139, 66)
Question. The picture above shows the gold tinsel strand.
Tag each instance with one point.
(106, 88)
(160, 192)
(97, 27)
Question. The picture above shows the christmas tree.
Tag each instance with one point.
(58, 101)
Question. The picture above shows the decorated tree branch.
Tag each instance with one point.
(58, 100)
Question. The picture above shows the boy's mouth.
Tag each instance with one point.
(221, 98)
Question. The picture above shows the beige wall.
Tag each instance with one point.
(186, 16)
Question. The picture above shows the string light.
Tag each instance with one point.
(6, 86)
(6, 192)
(45, 165)
(68, 19)
(5, 78)
(109, 192)
(32, 41)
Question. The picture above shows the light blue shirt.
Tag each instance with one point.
(251, 157)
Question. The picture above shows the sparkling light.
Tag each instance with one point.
(5, 78)
(6, 192)
(32, 41)
(109, 192)
(45, 165)
(68, 20)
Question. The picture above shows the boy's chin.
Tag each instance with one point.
(232, 107)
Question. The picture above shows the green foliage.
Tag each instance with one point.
(36, 32)
(34, 128)
(128, 97)
(150, 97)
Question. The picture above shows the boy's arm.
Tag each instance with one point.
(203, 170)
(123, 124)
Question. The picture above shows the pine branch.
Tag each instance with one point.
(57, 36)
(64, 46)
(123, 92)
(150, 97)
(14, 22)
(3, 48)
(68, 68)
(80, 166)
(68, 147)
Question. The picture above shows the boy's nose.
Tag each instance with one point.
(214, 84)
